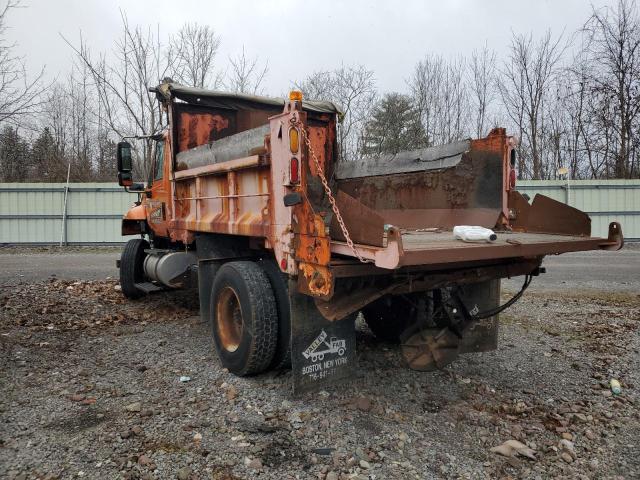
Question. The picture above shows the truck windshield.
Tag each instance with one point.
(159, 161)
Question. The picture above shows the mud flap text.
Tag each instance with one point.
(322, 352)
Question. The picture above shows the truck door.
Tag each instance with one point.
(159, 202)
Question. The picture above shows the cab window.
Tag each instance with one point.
(158, 161)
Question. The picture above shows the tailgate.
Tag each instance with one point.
(406, 248)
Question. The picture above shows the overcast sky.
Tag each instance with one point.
(299, 37)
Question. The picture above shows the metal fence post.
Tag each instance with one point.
(63, 232)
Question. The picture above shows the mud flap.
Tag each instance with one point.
(323, 353)
(481, 336)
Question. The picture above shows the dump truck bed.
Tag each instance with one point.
(411, 248)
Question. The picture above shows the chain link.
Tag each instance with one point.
(334, 206)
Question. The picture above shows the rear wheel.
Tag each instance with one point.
(245, 318)
(388, 317)
(282, 356)
(131, 267)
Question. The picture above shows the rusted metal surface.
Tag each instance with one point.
(212, 198)
(404, 199)
(365, 225)
(349, 297)
(344, 303)
(228, 166)
(315, 280)
(311, 233)
(424, 248)
(519, 209)
(229, 322)
(431, 158)
(195, 127)
(550, 216)
(239, 145)
(441, 218)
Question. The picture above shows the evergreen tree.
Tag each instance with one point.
(394, 127)
(14, 156)
(49, 163)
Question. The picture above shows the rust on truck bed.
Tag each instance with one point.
(398, 209)
(249, 193)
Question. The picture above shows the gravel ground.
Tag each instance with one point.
(90, 387)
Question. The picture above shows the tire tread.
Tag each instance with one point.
(264, 321)
(130, 267)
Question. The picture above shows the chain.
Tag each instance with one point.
(334, 206)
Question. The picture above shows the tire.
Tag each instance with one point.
(131, 267)
(245, 318)
(278, 280)
(388, 317)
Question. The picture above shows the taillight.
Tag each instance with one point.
(294, 170)
(512, 170)
(294, 141)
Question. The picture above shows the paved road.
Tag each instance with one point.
(24, 266)
(598, 270)
(610, 271)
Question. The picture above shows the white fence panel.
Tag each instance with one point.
(31, 213)
(605, 201)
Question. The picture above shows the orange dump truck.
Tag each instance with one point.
(248, 199)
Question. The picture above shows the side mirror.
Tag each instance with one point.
(125, 179)
(125, 163)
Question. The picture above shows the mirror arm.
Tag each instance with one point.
(135, 188)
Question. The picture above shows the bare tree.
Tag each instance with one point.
(20, 96)
(482, 86)
(353, 89)
(613, 49)
(122, 83)
(527, 76)
(191, 56)
(246, 74)
(439, 92)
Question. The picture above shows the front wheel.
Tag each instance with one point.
(245, 318)
(131, 267)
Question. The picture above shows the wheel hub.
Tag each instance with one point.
(230, 324)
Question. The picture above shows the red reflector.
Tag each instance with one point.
(283, 264)
(512, 179)
(294, 170)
